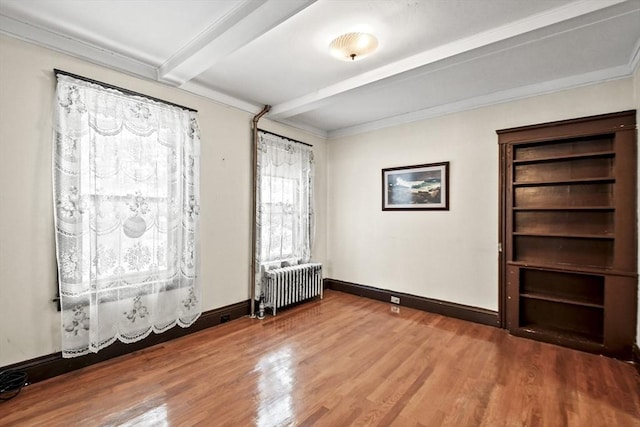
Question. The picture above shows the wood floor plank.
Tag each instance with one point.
(342, 361)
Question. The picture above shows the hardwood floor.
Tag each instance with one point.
(342, 361)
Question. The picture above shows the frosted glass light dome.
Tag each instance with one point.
(353, 46)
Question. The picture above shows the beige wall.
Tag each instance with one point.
(29, 322)
(444, 255)
(450, 256)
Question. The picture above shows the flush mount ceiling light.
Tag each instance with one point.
(353, 46)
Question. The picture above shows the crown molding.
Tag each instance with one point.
(509, 95)
(219, 97)
(73, 47)
(113, 61)
(226, 100)
(547, 18)
(285, 113)
(304, 127)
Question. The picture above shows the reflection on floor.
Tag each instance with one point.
(342, 361)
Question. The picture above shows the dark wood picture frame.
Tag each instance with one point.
(416, 188)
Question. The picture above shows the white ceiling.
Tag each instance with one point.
(435, 56)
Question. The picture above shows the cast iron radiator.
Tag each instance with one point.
(287, 285)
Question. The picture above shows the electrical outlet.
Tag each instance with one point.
(225, 318)
(395, 300)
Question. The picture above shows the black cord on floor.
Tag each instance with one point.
(11, 382)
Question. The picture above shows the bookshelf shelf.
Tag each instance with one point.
(569, 211)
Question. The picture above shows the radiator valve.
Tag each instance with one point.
(261, 310)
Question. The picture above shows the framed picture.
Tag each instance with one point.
(419, 187)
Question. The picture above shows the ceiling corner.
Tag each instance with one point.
(73, 47)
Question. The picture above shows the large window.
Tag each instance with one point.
(126, 195)
(284, 202)
(281, 206)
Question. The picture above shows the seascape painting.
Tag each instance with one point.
(419, 187)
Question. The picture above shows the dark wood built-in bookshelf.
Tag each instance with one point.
(569, 232)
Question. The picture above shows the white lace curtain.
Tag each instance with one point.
(126, 196)
(285, 219)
